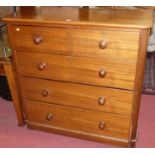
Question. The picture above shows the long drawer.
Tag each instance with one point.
(76, 119)
(76, 95)
(101, 72)
(46, 40)
(120, 45)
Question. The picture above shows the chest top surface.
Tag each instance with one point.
(83, 16)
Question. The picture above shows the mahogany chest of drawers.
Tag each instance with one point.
(79, 71)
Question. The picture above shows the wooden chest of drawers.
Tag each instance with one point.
(80, 76)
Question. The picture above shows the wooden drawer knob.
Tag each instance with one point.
(102, 73)
(42, 66)
(44, 93)
(102, 44)
(49, 116)
(101, 125)
(37, 39)
(101, 101)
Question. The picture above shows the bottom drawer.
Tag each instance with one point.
(91, 122)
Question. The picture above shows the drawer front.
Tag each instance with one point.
(77, 119)
(108, 44)
(50, 40)
(77, 69)
(76, 95)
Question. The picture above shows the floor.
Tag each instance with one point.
(13, 136)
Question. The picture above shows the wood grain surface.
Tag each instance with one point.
(77, 119)
(54, 40)
(121, 45)
(119, 74)
(76, 95)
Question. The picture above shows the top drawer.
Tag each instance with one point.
(51, 40)
(120, 45)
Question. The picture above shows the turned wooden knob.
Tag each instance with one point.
(102, 73)
(101, 101)
(37, 39)
(42, 66)
(102, 44)
(101, 125)
(44, 93)
(49, 116)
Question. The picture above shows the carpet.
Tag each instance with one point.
(149, 75)
(13, 136)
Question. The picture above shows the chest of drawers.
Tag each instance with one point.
(80, 74)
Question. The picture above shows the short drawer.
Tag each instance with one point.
(42, 39)
(119, 74)
(120, 45)
(76, 119)
(76, 95)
